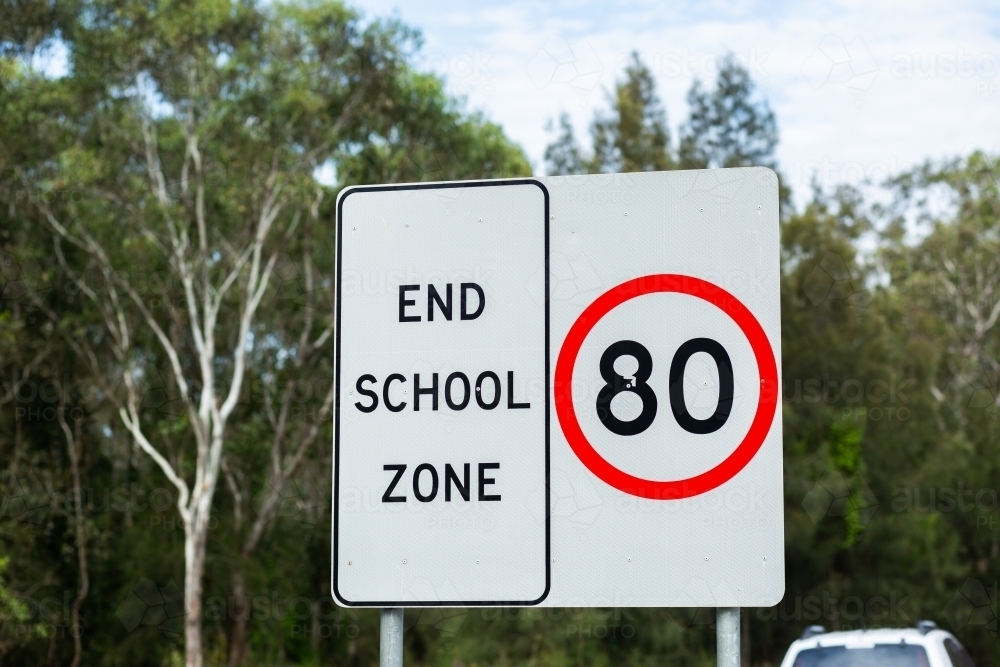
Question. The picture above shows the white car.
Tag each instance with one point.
(922, 646)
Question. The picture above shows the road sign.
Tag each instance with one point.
(442, 436)
(560, 391)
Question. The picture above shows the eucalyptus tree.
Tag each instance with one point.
(729, 125)
(632, 136)
(175, 166)
(941, 257)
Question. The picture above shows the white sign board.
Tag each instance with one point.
(559, 391)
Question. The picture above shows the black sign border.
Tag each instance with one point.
(335, 536)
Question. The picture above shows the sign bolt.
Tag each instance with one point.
(404, 561)
(706, 558)
(348, 562)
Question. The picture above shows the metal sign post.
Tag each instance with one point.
(391, 638)
(727, 637)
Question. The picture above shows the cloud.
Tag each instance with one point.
(896, 62)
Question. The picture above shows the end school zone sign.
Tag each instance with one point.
(635, 462)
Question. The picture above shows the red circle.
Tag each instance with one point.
(759, 427)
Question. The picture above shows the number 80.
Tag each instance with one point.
(617, 384)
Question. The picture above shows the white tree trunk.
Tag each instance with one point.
(194, 569)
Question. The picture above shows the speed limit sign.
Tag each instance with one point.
(666, 483)
(561, 391)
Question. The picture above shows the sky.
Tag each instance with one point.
(861, 90)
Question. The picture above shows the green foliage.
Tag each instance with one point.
(729, 126)
(633, 137)
(178, 128)
(845, 447)
(564, 155)
(15, 616)
(889, 341)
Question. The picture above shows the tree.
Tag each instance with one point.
(564, 155)
(162, 199)
(174, 168)
(728, 126)
(633, 137)
(940, 249)
(14, 614)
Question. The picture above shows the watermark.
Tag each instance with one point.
(835, 62)
(273, 606)
(831, 280)
(944, 65)
(686, 64)
(576, 499)
(148, 604)
(944, 500)
(884, 399)
(466, 72)
(286, 284)
(973, 604)
(600, 630)
(294, 502)
(871, 612)
(836, 495)
(24, 497)
(388, 282)
(303, 616)
(446, 622)
(875, 414)
(21, 279)
(23, 276)
(565, 64)
(27, 500)
(320, 630)
(47, 617)
(172, 523)
(132, 181)
(987, 87)
(159, 393)
(828, 170)
(580, 622)
(39, 400)
(47, 414)
(853, 390)
(974, 389)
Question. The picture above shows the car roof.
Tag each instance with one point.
(859, 638)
